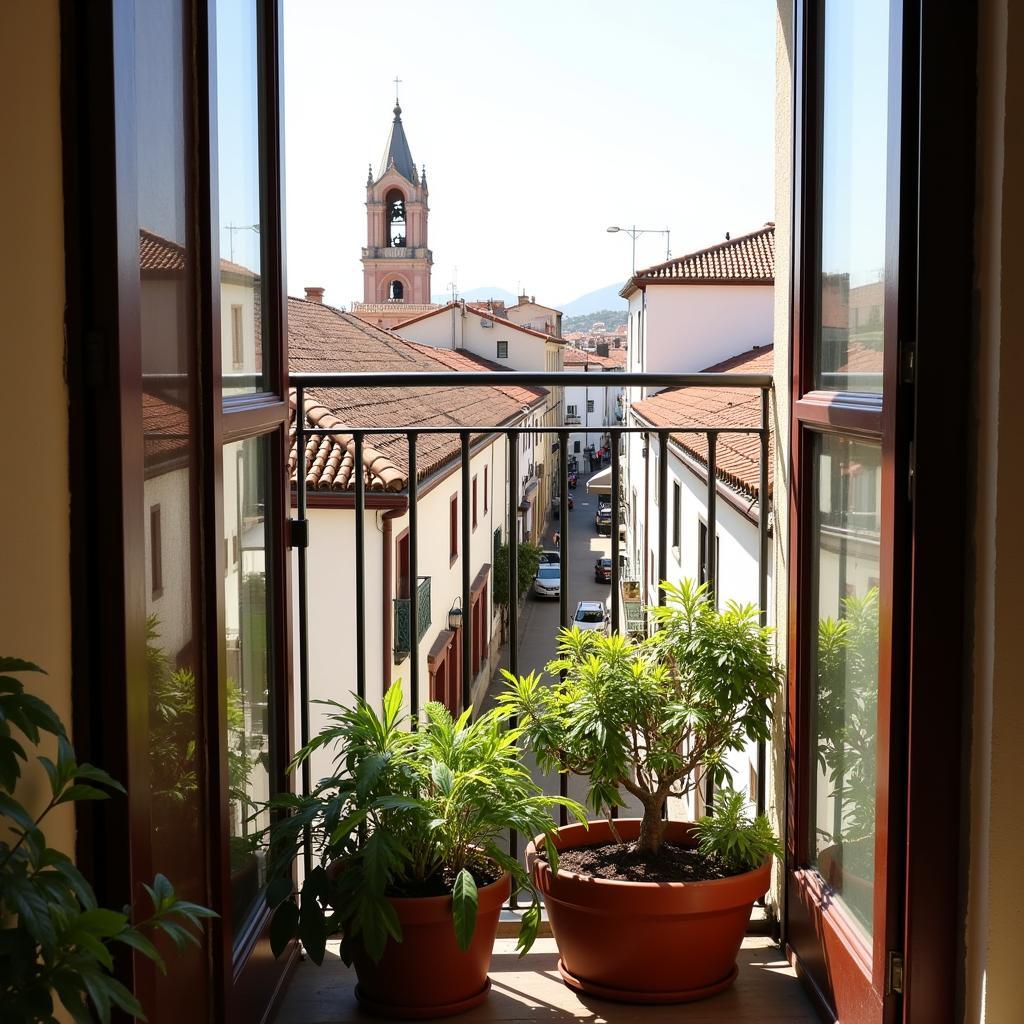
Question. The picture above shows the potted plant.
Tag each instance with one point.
(648, 910)
(56, 944)
(406, 837)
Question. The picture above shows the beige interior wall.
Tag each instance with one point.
(35, 604)
(994, 988)
(780, 407)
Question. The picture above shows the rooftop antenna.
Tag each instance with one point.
(453, 284)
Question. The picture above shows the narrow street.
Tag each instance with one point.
(539, 621)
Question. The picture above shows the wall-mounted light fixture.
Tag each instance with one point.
(455, 615)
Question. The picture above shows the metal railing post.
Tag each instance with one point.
(763, 523)
(563, 573)
(513, 599)
(303, 586)
(414, 584)
(663, 505)
(360, 482)
(467, 625)
(711, 571)
(616, 516)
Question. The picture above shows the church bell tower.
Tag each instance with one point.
(396, 260)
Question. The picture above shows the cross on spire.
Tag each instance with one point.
(398, 82)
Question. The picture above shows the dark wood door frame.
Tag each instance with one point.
(930, 369)
(105, 443)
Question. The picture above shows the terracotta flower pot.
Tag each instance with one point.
(426, 974)
(645, 942)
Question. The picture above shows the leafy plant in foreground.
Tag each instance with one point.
(646, 715)
(54, 939)
(734, 839)
(403, 810)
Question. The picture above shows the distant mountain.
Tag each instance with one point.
(584, 321)
(477, 294)
(602, 299)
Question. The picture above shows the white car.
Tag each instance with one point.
(550, 557)
(591, 615)
(548, 581)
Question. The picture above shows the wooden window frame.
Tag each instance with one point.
(473, 490)
(237, 337)
(499, 352)
(928, 295)
(101, 222)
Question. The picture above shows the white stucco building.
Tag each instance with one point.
(463, 328)
(326, 339)
(592, 409)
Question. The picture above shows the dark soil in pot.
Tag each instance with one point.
(624, 863)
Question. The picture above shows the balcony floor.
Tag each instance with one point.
(529, 989)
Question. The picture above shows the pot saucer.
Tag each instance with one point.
(618, 995)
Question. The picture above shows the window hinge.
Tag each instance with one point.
(894, 973)
(298, 533)
(907, 363)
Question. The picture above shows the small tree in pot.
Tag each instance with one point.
(646, 717)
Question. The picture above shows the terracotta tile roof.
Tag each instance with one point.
(747, 259)
(577, 357)
(737, 455)
(322, 338)
(165, 431)
(160, 255)
(484, 314)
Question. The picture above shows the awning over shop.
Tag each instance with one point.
(601, 483)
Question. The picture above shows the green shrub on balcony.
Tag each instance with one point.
(405, 813)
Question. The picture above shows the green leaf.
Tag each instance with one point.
(79, 792)
(279, 889)
(464, 907)
(10, 808)
(313, 930)
(134, 938)
(528, 928)
(283, 926)
(19, 665)
(101, 922)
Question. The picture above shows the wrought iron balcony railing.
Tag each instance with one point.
(403, 619)
(628, 593)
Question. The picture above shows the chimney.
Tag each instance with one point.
(602, 348)
(314, 294)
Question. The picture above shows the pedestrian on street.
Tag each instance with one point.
(557, 538)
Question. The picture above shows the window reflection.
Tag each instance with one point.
(238, 131)
(174, 729)
(846, 692)
(248, 684)
(854, 167)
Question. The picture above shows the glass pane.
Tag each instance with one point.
(246, 620)
(238, 133)
(847, 484)
(854, 142)
(174, 732)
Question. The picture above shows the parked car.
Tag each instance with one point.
(591, 615)
(603, 570)
(550, 557)
(603, 519)
(548, 581)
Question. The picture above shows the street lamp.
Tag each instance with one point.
(634, 231)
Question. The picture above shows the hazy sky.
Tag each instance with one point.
(540, 123)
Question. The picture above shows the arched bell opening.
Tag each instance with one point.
(396, 230)
(396, 291)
